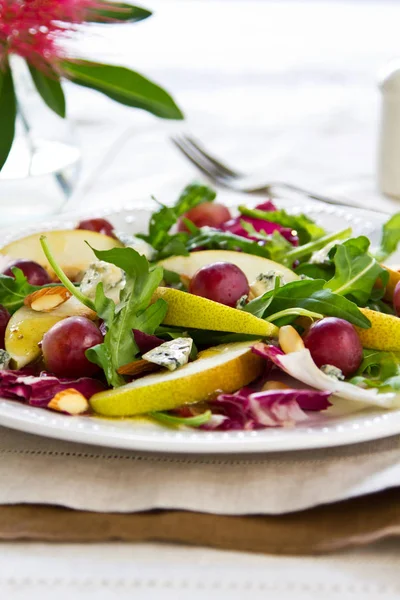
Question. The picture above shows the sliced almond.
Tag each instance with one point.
(69, 401)
(47, 299)
(138, 367)
(290, 340)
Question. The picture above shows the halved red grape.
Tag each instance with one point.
(334, 341)
(396, 299)
(209, 214)
(35, 273)
(65, 344)
(99, 225)
(4, 318)
(222, 282)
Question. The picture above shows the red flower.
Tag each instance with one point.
(33, 28)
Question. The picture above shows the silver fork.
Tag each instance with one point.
(223, 175)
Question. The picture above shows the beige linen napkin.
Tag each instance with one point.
(44, 471)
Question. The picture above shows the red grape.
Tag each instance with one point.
(35, 273)
(4, 318)
(396, 299)
(209, 214)
(99, 225)
(222, 282)
(334, 341)
(64, 347)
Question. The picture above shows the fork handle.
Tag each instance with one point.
(312, 195)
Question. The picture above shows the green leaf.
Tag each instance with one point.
(49, 87)
(379, 370)
(133, 312)
(314, 271)
(174, 421)
(166, 217)
(306, 228)
(13, 290)
(356, 272)
(306, 294)
(390, 238)
(8, 111)
(123, 86)
(213, 238)
(116, 12)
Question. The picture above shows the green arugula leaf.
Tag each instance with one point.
(390, 238)
(13, 290)
(166, 217)
(116, 12)
(122, 85)
(49, 87)
(133, 312)
(379, 370)
(314, 271)
(306, 228)
(306, 294)
(8, 111)
(175, 421)
(356, 272)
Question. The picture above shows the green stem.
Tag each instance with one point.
(311, 247)
(62, 276)
(300, 312)
(196, 421)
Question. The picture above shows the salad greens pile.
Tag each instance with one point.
(339, 274)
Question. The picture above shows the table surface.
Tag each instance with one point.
(287, 88)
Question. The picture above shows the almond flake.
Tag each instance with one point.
(48, 298)
(69, 401)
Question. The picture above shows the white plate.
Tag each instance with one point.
(342, 424)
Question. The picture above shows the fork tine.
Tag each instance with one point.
(223, 168)
(198, 160)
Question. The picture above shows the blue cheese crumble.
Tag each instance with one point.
(110, 276)
(265, 282)
(332, 372)
(5, 359)
(171, 355)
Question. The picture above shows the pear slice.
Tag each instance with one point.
(69, 248)
(26, 328)
(384, 333)
(251, 265)
(196, 312)
(224, 368)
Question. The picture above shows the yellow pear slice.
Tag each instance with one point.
(69, 248)
(26, 328)
(251, 265)
(195, 312)
(224, 368)
(384, 333)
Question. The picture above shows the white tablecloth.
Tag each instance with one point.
(285, 87)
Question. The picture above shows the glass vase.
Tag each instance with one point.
(43, 166)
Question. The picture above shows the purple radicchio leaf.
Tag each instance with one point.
(235, 226)
(38, 391)
(146, 342)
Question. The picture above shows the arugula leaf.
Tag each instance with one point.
(13, 290)
(306, 294)
(380, 370)
(133, 312)
(163, 220)
(314, 271)
(175, 421)
(305, 227)
(356, 272)
(390, 238)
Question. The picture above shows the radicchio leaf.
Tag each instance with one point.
(38, 391)
(301, 366)
(247, 410)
